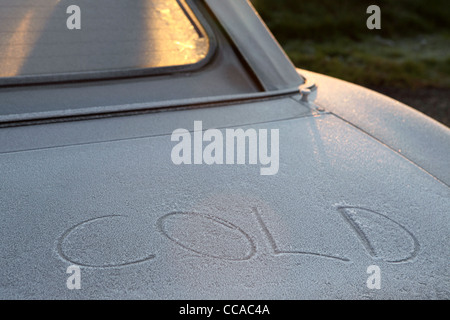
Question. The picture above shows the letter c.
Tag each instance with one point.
(225, 309)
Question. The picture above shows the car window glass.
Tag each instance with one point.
(36, 36)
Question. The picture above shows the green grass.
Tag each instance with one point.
(412, 49)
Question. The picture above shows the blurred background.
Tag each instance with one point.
(408, 59)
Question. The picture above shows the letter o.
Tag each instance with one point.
(218, 222)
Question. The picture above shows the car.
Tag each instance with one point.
(171, 150)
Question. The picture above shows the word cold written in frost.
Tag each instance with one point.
(190, 150)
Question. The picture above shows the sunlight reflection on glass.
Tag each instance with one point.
(172, 39)
(21, 23)
(14, 53)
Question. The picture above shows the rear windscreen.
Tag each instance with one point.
(84, 37)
